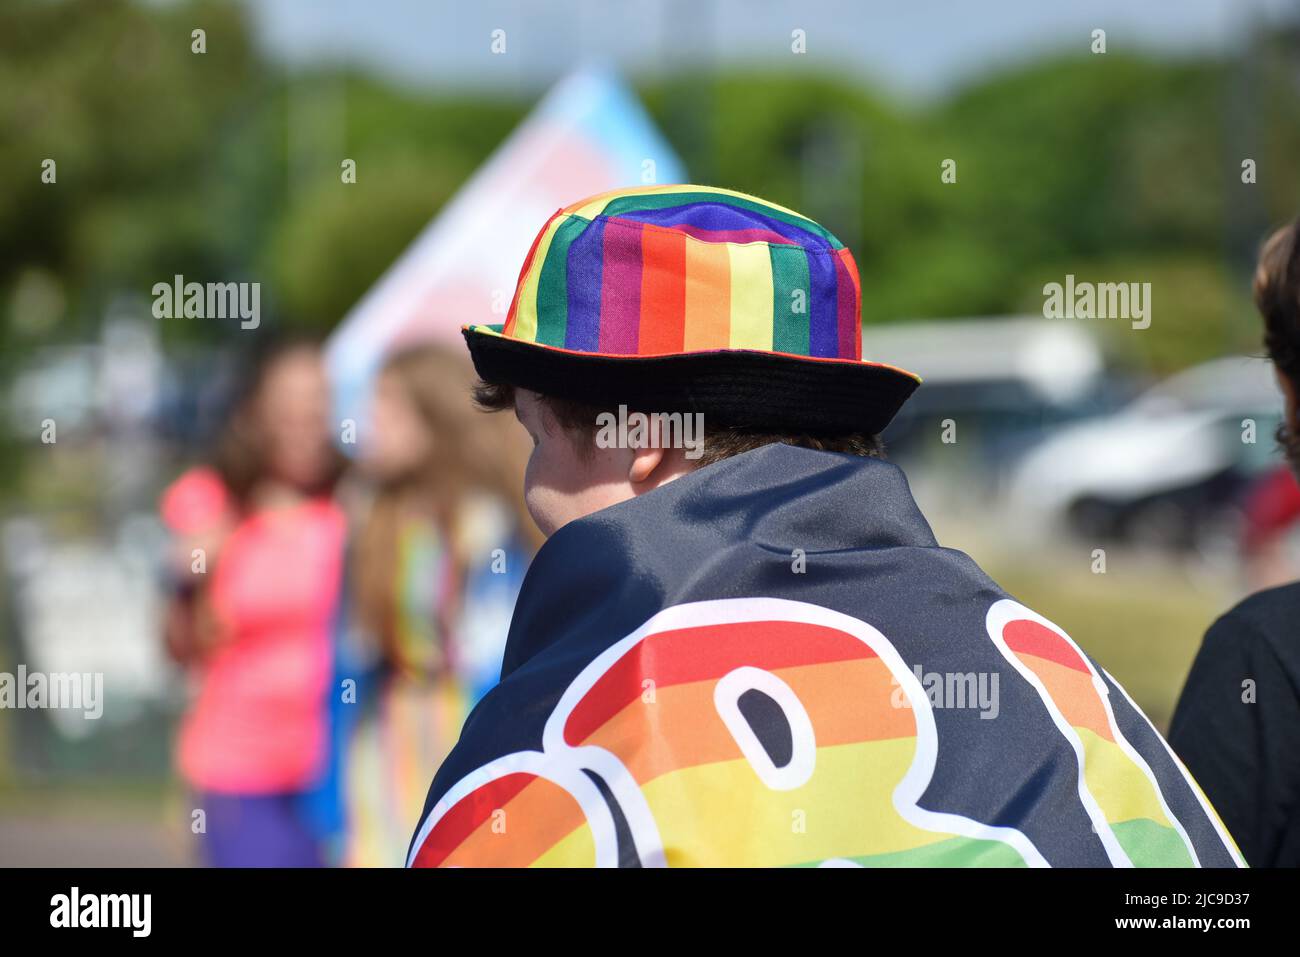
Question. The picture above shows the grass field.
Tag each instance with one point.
(1143, 618)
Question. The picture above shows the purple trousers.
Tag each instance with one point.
(262, 830)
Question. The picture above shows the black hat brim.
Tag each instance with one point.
(733, 388)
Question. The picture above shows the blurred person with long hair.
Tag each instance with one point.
(259, 546)
(435, 570)
(1238, 719)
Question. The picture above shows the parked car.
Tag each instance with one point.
(1168, 468)
(1002, 383)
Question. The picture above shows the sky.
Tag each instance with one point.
(914, 48)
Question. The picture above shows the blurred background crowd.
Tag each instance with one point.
(292, 550)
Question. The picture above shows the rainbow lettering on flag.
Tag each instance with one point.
(740, 732)
(1116, 786)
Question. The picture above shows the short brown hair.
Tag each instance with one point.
(720, 442)
(1277, 296)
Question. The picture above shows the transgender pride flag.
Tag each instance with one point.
(587, 135)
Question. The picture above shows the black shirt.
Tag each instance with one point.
(1237, 725)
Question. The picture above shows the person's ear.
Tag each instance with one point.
(644, 463)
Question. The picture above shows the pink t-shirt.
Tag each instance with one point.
(258, 725)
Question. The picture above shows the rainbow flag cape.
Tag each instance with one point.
(771, 662)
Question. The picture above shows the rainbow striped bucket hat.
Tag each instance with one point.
(693, 299)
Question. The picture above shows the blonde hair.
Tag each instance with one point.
(471, 455)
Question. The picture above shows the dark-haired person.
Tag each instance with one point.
(1237, 724)
(259, 544)
(741, 644)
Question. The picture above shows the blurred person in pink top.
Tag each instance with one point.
(258, 563)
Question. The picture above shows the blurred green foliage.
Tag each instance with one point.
(1111, 167)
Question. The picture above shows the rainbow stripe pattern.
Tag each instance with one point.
(912, 715)
(669, 270)
(1116, 785)
(732, 743)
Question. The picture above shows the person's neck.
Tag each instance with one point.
(274, 495)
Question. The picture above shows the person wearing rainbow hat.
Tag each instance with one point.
(751, 651)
